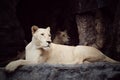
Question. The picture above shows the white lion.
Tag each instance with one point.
(41, 50)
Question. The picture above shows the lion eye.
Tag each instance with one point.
(42, 34)
(49, 35)
(63, 35)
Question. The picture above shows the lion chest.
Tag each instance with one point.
(32, 53)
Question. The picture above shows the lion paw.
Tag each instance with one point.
(12, 66)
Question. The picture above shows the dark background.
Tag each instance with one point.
(17, 17)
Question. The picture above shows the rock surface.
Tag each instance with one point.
(92, 71)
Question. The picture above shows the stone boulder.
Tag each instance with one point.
(92, 71)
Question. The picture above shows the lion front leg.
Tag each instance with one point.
(15, 64)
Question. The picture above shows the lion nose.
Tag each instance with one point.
(48, 42)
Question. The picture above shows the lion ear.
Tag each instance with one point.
(48, 28)
(34, 28)
(58, 32)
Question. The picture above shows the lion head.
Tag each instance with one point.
(41, 37)
(61, 37)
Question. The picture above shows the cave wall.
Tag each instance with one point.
(116, 27)
(11, 32)
(56, 14)
(17, 17)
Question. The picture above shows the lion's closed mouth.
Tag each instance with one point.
(47, 46)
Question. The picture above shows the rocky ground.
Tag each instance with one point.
(92, 71)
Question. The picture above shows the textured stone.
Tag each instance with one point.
(92, 71)
(91, 30)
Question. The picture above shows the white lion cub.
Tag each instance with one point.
(41, 50)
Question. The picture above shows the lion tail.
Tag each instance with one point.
(111, 60)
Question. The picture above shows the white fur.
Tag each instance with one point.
(40, 51)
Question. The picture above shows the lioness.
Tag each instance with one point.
(41, 50)
(61, 37)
